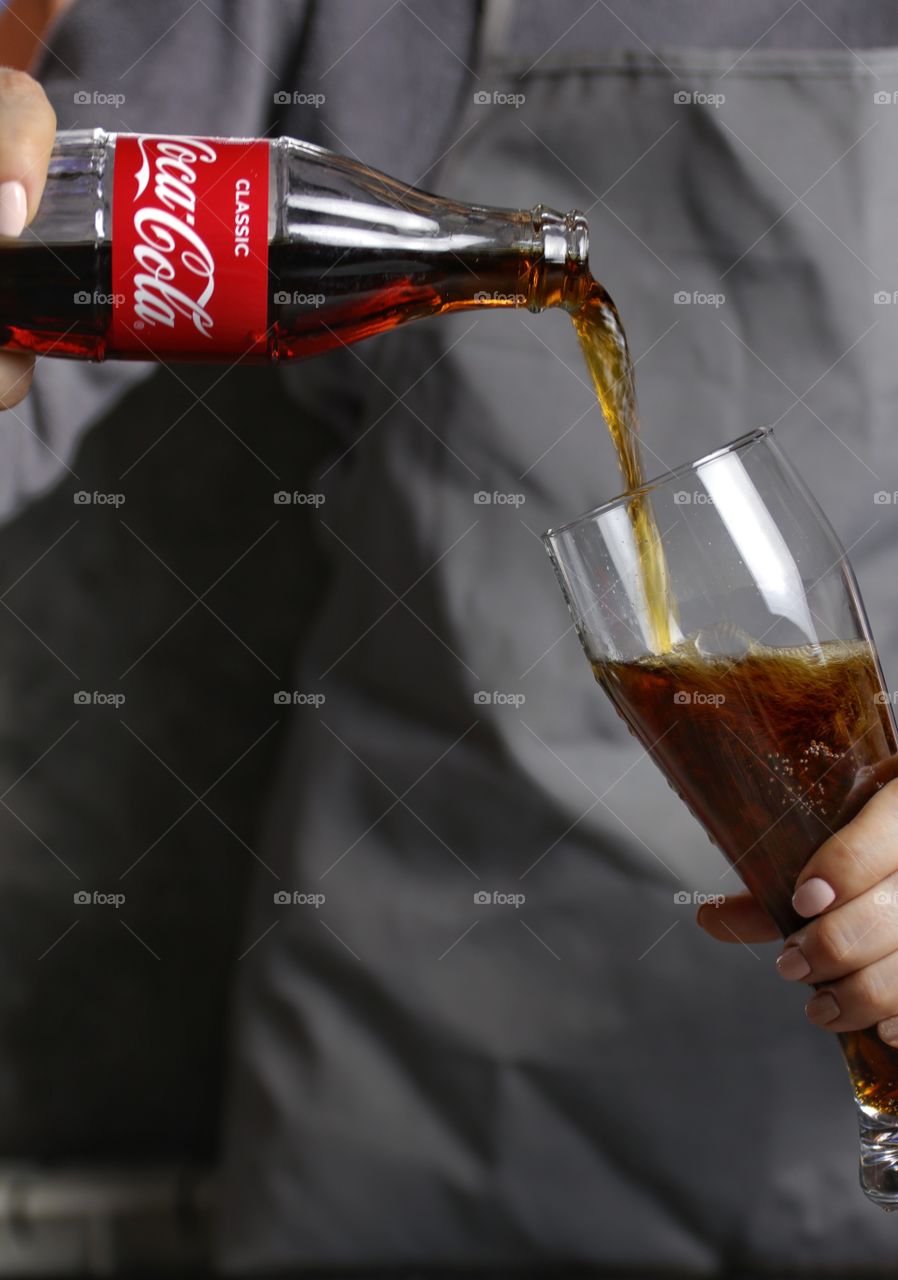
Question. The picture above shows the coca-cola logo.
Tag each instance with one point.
(175, 272)
(190, 224)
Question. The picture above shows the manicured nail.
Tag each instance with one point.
(13, 208)
(791, 964)
(814, 896)
(888, 1030)
(822, 1009)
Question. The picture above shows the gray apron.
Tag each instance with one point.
(500, 1037)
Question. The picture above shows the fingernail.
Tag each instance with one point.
(13, 208)
(888, 1030)
(814, 896)
(822, 1009)
(791, 964)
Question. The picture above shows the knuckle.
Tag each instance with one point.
(890, 788)
(31, 159)
(871, 990)
(830, 858)
(885, 802)
(26, 114)
(17, 85)
(886, 895)
(829, 942)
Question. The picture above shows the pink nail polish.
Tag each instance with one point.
(823, 1009)
(13, 208)
(792, 965)
(814, 896)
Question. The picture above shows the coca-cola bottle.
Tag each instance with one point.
(220, 249)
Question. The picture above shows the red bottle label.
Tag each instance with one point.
(189, 246)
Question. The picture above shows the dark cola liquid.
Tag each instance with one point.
(772, 752)
(607, 355)
(58, 298)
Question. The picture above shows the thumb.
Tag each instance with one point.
(27, 129)
(737, 918)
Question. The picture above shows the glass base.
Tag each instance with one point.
(879, 1156)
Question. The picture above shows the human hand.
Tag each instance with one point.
(27, 129)
(849, 947)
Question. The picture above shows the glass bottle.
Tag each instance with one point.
(174, 247)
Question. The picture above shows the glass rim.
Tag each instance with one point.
(741, 442)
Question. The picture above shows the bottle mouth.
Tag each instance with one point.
(562, 240)
(564, 236)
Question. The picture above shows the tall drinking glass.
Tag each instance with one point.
(768, 713)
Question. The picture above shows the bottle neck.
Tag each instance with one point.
(560, 271)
